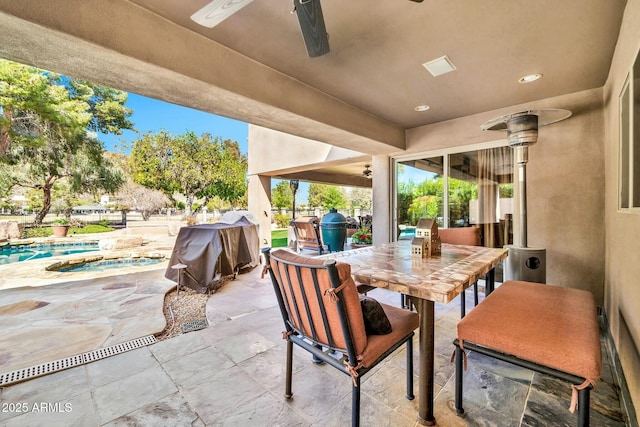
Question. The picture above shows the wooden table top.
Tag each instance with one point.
(439, 278)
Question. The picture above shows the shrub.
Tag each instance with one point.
(191, 220)
(282, 220)
(37, 232)
(363, 237)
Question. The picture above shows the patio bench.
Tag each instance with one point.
(548, 329)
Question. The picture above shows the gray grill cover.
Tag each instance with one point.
(208, 249)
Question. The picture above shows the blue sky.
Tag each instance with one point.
(152, 115)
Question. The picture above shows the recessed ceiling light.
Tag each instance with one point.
(530, 78)
(439, 66)
(422, 108)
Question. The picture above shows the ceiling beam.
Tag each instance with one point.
(137, 51)
(328, 178)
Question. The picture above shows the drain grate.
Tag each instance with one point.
(102, 353)
(70, 362)
(40, 370)
(194, 325)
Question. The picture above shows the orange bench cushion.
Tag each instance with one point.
(549, 325)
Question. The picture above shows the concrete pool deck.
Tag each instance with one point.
(49, 315)
(46, 323)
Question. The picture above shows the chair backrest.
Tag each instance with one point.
(469, 236)
(366, 222)
(306, 230)
(305, 288)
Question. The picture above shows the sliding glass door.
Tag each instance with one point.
(458, 189)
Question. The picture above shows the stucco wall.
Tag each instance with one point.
(271, 150)
(565, 183)
(622, 270)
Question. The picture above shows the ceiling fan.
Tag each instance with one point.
(367, 172)
(309, 14)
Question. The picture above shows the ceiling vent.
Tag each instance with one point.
(440, 66)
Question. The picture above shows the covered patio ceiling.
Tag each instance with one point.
(347, 174)
(362, 95)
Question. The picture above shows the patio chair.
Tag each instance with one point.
(323, 315)
(366, 222)
(469, 236)
(307, 232)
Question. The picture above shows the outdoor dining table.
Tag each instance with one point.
(426, 281)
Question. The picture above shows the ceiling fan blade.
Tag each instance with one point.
(312, 26)
(217, 11)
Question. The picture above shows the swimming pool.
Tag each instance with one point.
(112, 264)
(18, 253)
(407, 233)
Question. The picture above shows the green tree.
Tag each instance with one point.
(423, 207)
(460, 193)
(48, 130)
(34, 199)
(335, 197)
(360, 198)
(327, 196)
(506, 191)
(405, 198)
(199, 168)
(229, 183)
(316, 194)
(30, 96)
(282, 196)
(63, 199)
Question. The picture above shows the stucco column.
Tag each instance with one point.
(381, 199)
(260, 205)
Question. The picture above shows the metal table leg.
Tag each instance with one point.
(426, 309)
(490, 283)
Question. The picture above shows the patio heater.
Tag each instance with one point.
(523, 262)
(293, 184)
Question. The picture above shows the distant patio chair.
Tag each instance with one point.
(307, 232)
(366, 222)
(321, 308)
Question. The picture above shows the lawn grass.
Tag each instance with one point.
(90, 229)
(279, 238)
(279, 233)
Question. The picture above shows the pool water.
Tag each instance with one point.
(112, 264)
(407, 234)
(13, 254)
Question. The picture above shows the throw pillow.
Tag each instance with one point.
(376, 321)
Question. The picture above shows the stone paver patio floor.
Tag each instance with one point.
(232, 372)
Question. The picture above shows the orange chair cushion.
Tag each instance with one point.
(349, 294)
(402, 323)
(548, 325)
(469, 236)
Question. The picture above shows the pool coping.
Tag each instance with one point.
(33, 273)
